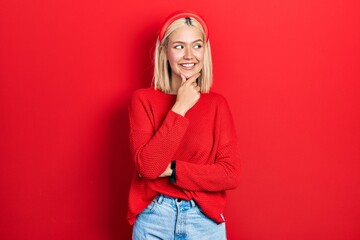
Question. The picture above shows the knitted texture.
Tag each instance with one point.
(203, 143)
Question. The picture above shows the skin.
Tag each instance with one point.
(185, 53)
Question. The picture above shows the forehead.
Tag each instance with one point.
(186, 34)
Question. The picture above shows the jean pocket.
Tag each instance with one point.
(151, 207)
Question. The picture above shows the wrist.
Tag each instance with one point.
(177, 108)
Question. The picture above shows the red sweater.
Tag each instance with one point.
(203, 143)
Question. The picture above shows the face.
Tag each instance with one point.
(185, 52)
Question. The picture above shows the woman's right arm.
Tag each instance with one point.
(152, 150)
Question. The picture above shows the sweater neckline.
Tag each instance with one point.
(165, 94)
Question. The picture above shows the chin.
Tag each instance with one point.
(190, 74)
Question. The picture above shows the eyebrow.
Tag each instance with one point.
(198, 40)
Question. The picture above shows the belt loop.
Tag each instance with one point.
(160, 199)
(193, 204)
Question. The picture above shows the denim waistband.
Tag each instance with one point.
(176, 201)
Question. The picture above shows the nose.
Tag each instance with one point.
(188, 53)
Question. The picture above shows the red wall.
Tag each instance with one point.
(289, 69)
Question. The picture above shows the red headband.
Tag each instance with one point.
(183, 14)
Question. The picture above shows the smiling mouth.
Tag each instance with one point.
(187, 65)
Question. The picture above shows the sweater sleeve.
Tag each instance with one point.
(152, 149)
(221, 175)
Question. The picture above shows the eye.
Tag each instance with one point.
(178, 47)
(198, 46)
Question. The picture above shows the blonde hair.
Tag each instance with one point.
(162, 69)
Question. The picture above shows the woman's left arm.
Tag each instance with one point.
(224, 173)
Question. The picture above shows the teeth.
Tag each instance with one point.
(188, 64)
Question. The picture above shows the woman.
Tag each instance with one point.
(182, 140)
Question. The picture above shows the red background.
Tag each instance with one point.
(289, 69)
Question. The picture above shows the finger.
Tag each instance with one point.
(197, 89)
(192, 79)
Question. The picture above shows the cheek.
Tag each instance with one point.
(172, 58)
(199, 56)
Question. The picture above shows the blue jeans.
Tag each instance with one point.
(168, 218)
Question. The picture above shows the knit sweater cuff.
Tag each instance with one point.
(181, 116)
